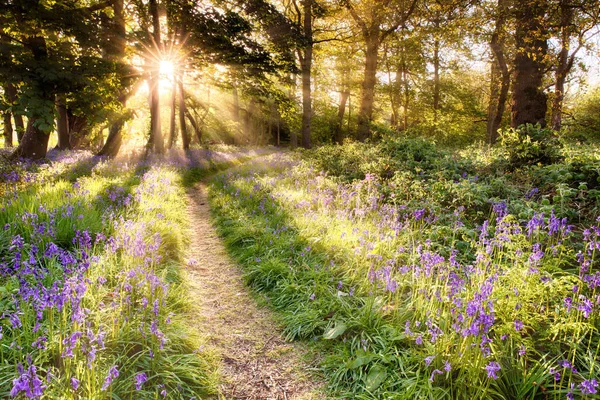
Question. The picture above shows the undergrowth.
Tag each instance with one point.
(92, 297)
(422, 273)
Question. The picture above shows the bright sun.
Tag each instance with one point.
(166, 68)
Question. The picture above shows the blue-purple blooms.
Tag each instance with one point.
(139, 380)
(113, 373)
(28, 383)
(492, 368)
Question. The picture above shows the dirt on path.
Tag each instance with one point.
(256, 363)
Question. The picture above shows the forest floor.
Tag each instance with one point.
(256, 362)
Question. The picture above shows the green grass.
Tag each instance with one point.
(308, 239)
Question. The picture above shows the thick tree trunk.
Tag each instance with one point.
(62, 124)
(436, 79)
(529, 99)
(8, 129)
(34, 144)
(306, 74)
(564, 64)
(339, 134)
(368, 87)
(78, 130)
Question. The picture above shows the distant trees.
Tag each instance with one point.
(290, 68)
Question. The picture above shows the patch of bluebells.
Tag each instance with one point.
(469, 299)
(51, 290)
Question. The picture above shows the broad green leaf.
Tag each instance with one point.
(336, 331)
(376, 377)
(361, 360)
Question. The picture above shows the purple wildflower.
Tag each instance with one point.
(113, 373)
(491, 369)
(28, 382)
(139, 380)
(588, 386)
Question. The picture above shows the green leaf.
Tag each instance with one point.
(361, 360)
(336, 331)
(376, 377)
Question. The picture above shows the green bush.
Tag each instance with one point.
(531, 144)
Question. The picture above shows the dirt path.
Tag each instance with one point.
(256, 362)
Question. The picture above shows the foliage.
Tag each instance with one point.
(531, 144)
(92, 290)
(428, 282)
(585, 119)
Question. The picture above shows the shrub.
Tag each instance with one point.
(531, 144)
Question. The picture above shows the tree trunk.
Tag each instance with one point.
(116, 53)
(436, 79)
(34, 143)
(173, 125)
(339, 134)
(62, 124)
(306, 74)
(185, 138)
(11, 95)
(529, 99)
(197, 129)
(8, 129)
(368, 88)
(563, 68)
(406, 97)
(156, 138)
(500, 67)
(235, 108)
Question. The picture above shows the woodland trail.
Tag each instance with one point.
(256, 363)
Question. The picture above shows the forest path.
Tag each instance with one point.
(256, 363)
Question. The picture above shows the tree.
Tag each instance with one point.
(576, 21)
(500, 73)
(529, 101)
(376, 20)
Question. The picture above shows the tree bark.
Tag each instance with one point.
(173, 125)
(11, 95)
(339, 134)
(436, 79)
(500, 67)
(564, 65)
(156, 138)
(306, 65)
(197, 128)
(365, 114)
(116, 53)
(529, 99)
(185, 138)
(8, 129)
(34, 143)
(62, 124)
